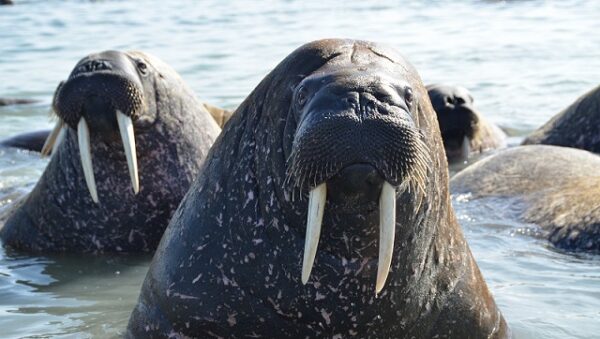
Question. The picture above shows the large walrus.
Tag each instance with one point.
(464, 129)
(338, 142)
(576, 126)
(133, 139)
(557, 188)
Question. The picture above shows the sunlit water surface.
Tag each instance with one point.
(523, 61)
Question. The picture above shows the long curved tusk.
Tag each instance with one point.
(83, 137)
(54, 139)
(128, 137)
(465, 148)
(316, 207)
(387, 228)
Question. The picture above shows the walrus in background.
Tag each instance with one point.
(6, 2)
(576, 126)
(338, 143)
(557, 188)
(15, 101)
(464, 129)
(32, 141)
(146, 134)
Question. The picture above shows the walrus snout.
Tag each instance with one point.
(105, 93)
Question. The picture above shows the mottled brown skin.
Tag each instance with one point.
(458, 118)
(220, 115)
(576, 126)
(557, 188)
(229, 263)
(173, 134)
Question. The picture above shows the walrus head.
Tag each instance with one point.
(105, 96)
(458, 118)
(356, 143)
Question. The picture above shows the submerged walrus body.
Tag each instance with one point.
(31, 141)
(322, 211)
(464, 129)
(556, 188)
(129, 140)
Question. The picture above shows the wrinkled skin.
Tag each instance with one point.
(229, 263)
(459, 119)
(173, 134)
(556, 188)
(576, 126)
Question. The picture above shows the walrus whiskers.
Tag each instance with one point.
(128, 137)
(54, 139)
(83, 137)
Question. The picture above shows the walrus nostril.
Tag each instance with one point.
(93, 66)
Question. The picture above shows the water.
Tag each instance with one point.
(523, 61)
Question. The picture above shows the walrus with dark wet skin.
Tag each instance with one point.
(337, 149)
(576, 126)
(464, 129)
(129, 140)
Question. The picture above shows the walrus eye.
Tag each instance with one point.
(301, 97)
(142, 67)
(408, 95)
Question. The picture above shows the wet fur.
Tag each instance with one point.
(556, 188)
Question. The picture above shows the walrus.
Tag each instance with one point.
(16, 101)
(576, 126)
(464, 129)
(339, 143)
(129, 140)
(30, 141)
(556, 188)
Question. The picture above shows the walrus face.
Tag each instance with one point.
(105, 96)
(356, 139)
(457, 118)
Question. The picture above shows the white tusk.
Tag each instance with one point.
(387, 228)
(54, 139)
(316, 207)
(83, 137)
(128, 137)
(465, 148)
